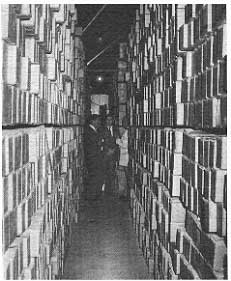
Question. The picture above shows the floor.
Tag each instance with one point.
(104, 245)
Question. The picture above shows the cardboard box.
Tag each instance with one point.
(218, 185)
(10, 63)
(222, 153)
(35, 78)
(209, 216)
(8, 19)
(193, 228)
(177, 211)
(186, 270)
(8, 102)
(184, 192)
(187, 247)
(24, 73)
(221, 220)
(179, 239)
(214, 250)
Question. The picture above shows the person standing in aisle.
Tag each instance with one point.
(111, 152)
(93, 151)
(122, 170)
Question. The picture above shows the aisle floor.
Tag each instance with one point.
(104, 244)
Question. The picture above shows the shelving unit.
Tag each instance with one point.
(177, 104)
(122, 79)
(42, 117)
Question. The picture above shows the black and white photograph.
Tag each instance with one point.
(114, 141)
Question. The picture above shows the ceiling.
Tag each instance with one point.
(112, 24)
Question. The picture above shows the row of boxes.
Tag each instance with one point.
(63, 51)
(37, 158)
(27, 108)
(165, 90)
(150, 226)
(204, 179)
(186, 161)
(206, 114)
(22, 146)
(158, 215)
(156, 56)
(213, 215)
(199, 20)
(210, 51)
(207, 257)
(40, 84)
(50, 154)
(190, 81)
(177, 58)
(46, 230)
(206, 149)
(210, 149)
(203, 94)
(209, 182)
(23, 20)
(43, 83)
(44, 88)
(123, 77)
(150, 218)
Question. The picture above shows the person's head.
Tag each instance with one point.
(125, 122)
(95, 120)
(109, 120)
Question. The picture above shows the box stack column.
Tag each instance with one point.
(177, 108)
(42, 116)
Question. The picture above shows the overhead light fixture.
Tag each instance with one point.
(99, 78)
(100, 39)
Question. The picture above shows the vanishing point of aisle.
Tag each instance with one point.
(104, 245)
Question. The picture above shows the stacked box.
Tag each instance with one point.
(204, 178)
(39, 59)
(179, 69)
(43, 84)
(40, 194)
(177, 58)
(121, 83)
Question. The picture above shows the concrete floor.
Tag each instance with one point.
(104, 245)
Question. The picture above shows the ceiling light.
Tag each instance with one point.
(99, 78)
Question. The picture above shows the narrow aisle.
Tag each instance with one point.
(104, 245)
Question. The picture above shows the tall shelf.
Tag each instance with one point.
(177, 139)
(43, 109)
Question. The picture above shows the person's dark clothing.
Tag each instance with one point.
(109, 143)
(93, 160)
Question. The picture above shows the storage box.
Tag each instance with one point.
(186, 270)
(8, 20)
(10, 63)
(209, 216)
(214, 250)
(24, 73)
(217, 185)
(35, 78)
(222, 152)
